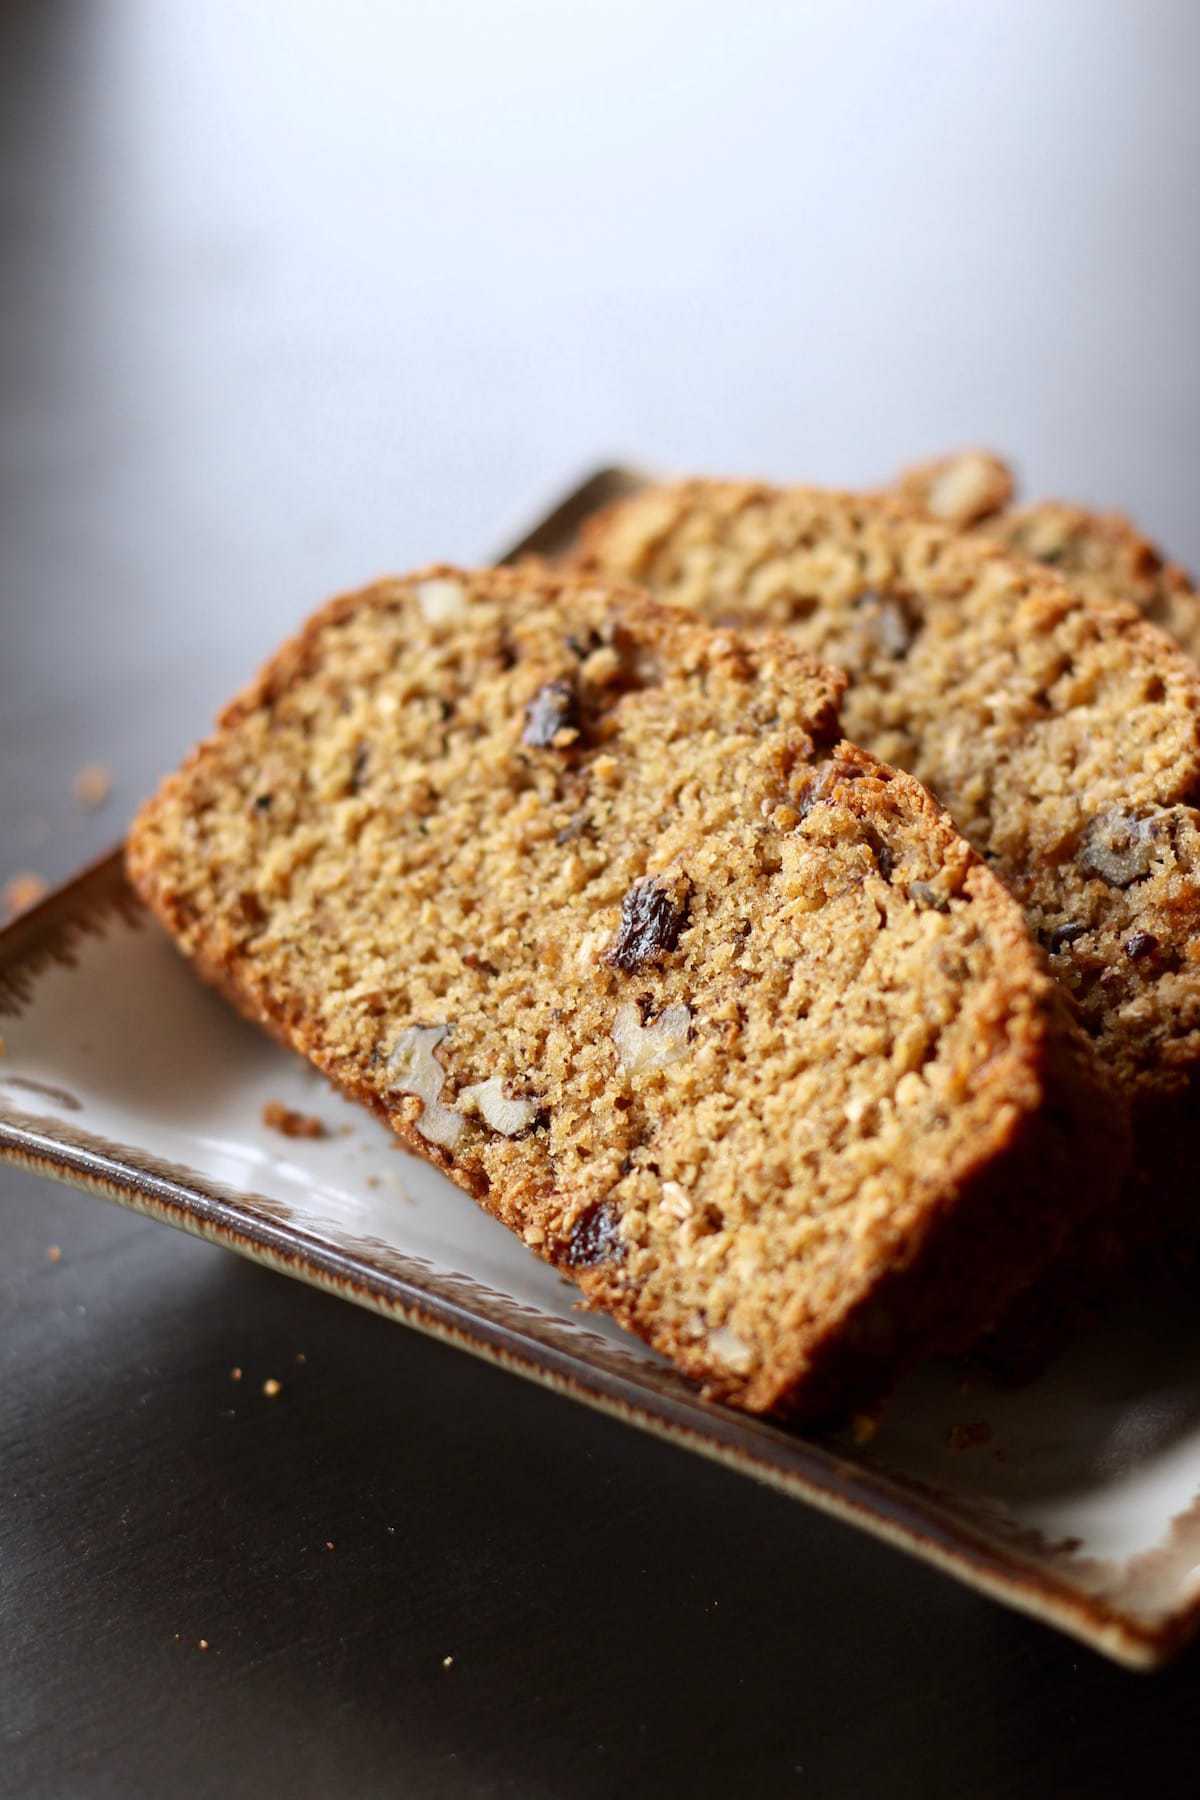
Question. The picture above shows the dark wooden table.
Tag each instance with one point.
(293, 294)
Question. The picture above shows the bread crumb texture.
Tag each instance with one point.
(1105, 556)
(1102, 554)
(1062, 731)
(715, 1010)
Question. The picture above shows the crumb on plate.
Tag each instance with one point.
(278, 1117)
(24, 890)
(92, 786)
(863, 1426)
(969, 1435)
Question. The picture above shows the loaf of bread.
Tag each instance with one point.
(593, 906)
(1103, 554)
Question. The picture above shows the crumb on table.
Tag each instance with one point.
(53, 1253)
(24, 890)
(864, 1426)
(969, 1435)
(290, 1123)
(271, 1387)
(92, 786)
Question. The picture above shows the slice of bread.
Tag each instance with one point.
(1062, 733)
(591, 904)
(1103, 554)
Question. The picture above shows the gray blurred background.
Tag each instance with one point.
(295, 293)
(292, 294)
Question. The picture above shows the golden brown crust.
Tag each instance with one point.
(722, 1016)
(1103, 554)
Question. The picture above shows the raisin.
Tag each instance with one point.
(1062, 935)
(554, 708)
(652, 916)
(927, 898)
(595, 1238)
(1118, 847)
(252, 908)
(1142, 943)
(577, 826)
(358, 768)
(885, 861)
(262, 802)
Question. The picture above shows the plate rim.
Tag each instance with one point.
(799, 1467)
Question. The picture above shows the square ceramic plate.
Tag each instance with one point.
(1075, 1498)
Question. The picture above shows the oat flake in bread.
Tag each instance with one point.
(593, 906)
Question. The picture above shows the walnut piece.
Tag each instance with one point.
(969, 487)
(732, 1350)
(509, 1117)
(441, 599)
(641, 1048)
(416, 1070)
(1118, 847)
(889, 623)
(676, 1200)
